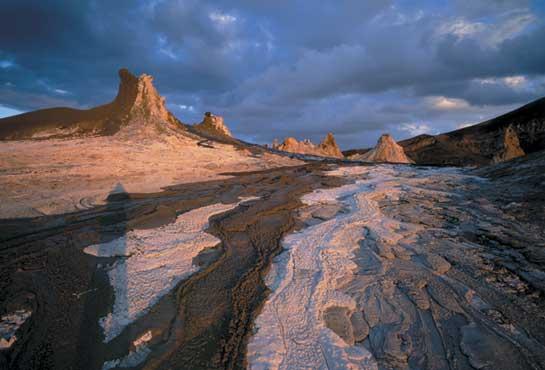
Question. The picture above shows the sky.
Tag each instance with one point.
(280, 68)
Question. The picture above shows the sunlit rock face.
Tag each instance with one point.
(213, 125)
(138, 96)
(137, 104)
(142, 110)
(327, 148)
(511, 146)
(330, 147)
(387, 150)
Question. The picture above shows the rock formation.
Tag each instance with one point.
(486, 142)
(327, 148)
(213, 125)
(480, 144)
(330, 147)
(137, 104)
(386, 150)
(141, 97)
(511, 146)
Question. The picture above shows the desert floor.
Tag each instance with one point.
(57, 176)
(318, 265)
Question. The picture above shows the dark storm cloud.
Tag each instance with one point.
(281, 68)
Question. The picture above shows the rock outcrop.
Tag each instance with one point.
(213, 125)
(386, 150)
(137, 106)
(330, 147)
(327, 148)
(139, 97)
(482, 144)
(511, 146)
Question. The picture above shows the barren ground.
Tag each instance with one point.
(57, 176)
(319, 265)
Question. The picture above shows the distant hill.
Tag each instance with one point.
(516, 133)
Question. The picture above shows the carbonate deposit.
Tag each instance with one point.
(9, 324)
(367, 283)
(152, 261)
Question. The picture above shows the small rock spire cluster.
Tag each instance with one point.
(327, 148)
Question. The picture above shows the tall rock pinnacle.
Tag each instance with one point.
(329, 146)
(137, 96)
(138, 109)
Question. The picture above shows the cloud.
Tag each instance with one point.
(6, 112)
(186, 107)
(283, 68)
(461, 28)
(444, 103)
(515, 81)
(5, 64)
(222, 19)
(415, 129)
(463, 125)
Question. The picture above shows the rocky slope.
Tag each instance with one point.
(137, 103)
(59, 160)
(327, 148)
(386, 150)
(505, 137)
(516, 133)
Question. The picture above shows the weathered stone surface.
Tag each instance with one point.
(213, 125)
(511, 146)
(327, 148)
(137, 105)
(386, 150)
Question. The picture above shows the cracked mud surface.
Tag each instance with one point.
(202, 323)
(419, 271)
(387, 267)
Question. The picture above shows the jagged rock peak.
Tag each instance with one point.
(138, 96)
(511, 146)
(213, 125)
(386, 150)
(327, 148)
